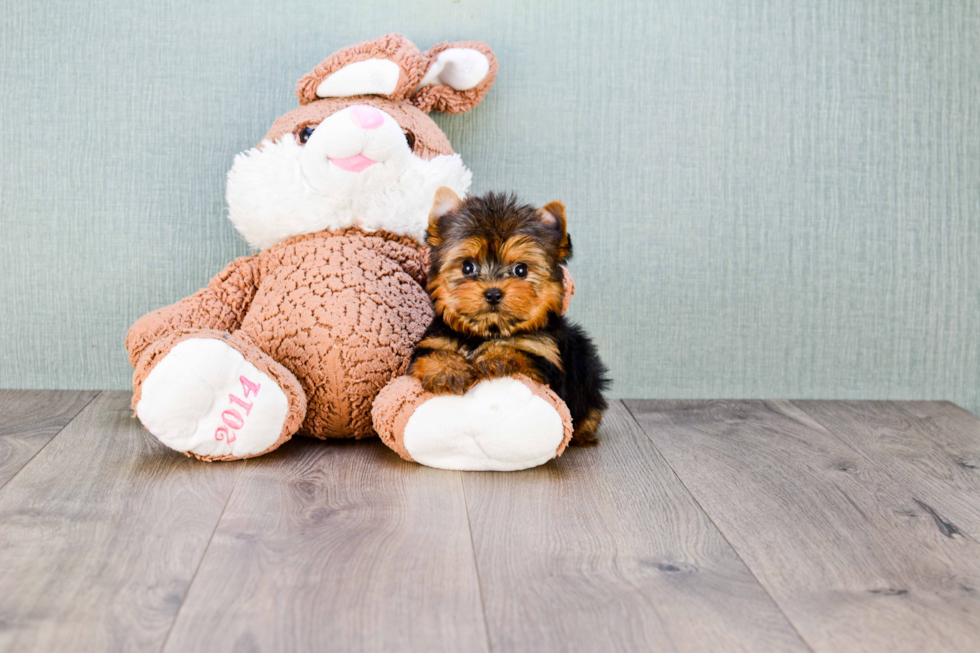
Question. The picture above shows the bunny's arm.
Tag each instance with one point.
(220, 306)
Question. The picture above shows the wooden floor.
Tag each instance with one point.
(694, 526)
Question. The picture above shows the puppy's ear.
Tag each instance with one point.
(445, 202)
(552, 214)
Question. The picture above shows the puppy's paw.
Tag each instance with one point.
(448, 381)
(494, 360)
(443, 373)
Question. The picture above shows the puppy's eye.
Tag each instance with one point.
(520, 270)
(305, 133)
(410, 137)
(469, 267)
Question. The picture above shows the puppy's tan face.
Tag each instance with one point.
(496, 269)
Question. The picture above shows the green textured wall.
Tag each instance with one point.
(768, 198)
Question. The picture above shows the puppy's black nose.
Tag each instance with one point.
(493, 296)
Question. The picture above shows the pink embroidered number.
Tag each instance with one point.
(235, 400)
(233, 419)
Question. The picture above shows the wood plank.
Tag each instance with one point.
(604, 550)
(337, 546)
(846, 551)
(932, 447)
(101, 533)
(28, 421)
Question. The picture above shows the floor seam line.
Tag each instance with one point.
(98, 393)
(899, 482)
(718, 529)
(476, 566)
(204, 555)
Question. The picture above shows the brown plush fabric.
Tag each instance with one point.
(429, 139)
(569, 283)
(397, 402)
(393, 47)
(342, 311)
(393, 406)
(439, 97)
(220, 306)
(548, 395)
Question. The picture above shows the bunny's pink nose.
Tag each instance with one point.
(366, 117)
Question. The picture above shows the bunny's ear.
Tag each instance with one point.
(457, 76)
(391, 66)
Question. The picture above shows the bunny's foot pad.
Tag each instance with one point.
(504, 424)
(203, 398)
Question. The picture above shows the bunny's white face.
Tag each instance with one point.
(349, 142)
(353, 168)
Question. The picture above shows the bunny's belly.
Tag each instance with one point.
(343, 312)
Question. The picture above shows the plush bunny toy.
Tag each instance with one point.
(303, 335)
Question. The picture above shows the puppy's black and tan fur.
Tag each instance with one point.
(496, 281)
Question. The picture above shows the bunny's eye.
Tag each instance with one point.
(305, 133)
(410, 137)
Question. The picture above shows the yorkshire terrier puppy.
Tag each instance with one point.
(496, 282)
